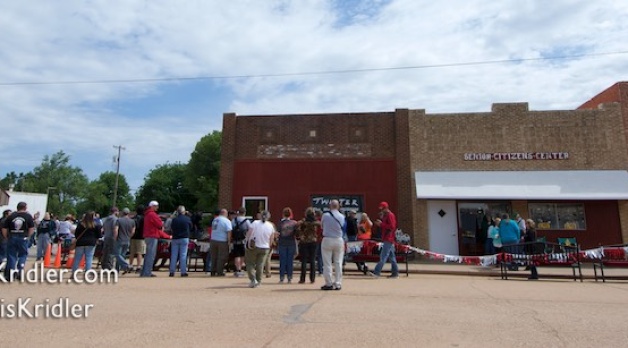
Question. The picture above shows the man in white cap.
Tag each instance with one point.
(153, 230)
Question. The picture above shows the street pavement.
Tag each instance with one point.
(438, 305)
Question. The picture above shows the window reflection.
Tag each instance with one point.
(558, 216)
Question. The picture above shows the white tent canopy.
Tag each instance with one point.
(524, 185)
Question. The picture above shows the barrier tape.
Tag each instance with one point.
(490, 260)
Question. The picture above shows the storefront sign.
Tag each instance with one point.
(347, 202)
(515, 156)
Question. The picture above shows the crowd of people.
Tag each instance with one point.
(318, 238)
(506, 234)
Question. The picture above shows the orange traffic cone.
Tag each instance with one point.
(82, 263)
(57, 263)
(70, 261)
(47, 256)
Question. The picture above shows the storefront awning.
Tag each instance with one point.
(524, 185)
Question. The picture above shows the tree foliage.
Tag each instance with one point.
(203, 171)
(64, 183)
(165, 184)
(99, 194)
(194, 184)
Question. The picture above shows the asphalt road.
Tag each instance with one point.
(417, 311)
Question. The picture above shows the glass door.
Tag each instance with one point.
(472, 227)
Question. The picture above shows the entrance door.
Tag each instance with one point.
(442, 224)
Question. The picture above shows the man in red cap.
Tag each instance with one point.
(388, 226)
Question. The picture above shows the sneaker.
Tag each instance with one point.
(253, 284)
(327, 287)
(171, 274)
(184, 274)
(337, 287)
(533, 278)
(365, 270)
(289, 281)
(373, 275)
(280, 281)
(393, 276)
(301, 281)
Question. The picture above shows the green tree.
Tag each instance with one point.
(17, 180)
(64, 183)
(165, 184)
(203, 171)
(99, 194)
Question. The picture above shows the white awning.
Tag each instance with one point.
(524, 185)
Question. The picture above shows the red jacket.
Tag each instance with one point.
(153, 227)
(389, 227)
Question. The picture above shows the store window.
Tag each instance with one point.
(254, 205)
(471, 215)
(558, 216)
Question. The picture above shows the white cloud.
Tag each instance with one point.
(99, 40)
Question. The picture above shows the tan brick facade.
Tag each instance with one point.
(594, 140)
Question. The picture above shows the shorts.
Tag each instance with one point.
(238, 250)
(138, 246)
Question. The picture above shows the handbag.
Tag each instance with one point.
(73, 244)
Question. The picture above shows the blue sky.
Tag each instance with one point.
(161, 121)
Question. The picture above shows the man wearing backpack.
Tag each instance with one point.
(241, 226)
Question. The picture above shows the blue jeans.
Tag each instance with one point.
(17, 251)
(149, 258)
(43, 240)
(286, 260)
(120, 250)
(489, 248)
(88, 251)
(388, 252)
(179, 252)
(3, 249)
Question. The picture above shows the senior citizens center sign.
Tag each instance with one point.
(515, 156)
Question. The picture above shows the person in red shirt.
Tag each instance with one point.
(153, 230)
(388, 226)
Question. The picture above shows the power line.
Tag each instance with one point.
(309, 73)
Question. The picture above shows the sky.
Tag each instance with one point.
(156, 76)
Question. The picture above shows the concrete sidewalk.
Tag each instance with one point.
(456, 269)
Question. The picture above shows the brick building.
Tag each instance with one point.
(441, 173)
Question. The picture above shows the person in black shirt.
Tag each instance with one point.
(138, 246)
(3, 240)
(87, 235)
(352, 226)
(45, 230)
(181, 227)
(17, 230)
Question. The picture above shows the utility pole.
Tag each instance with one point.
(115, 187)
